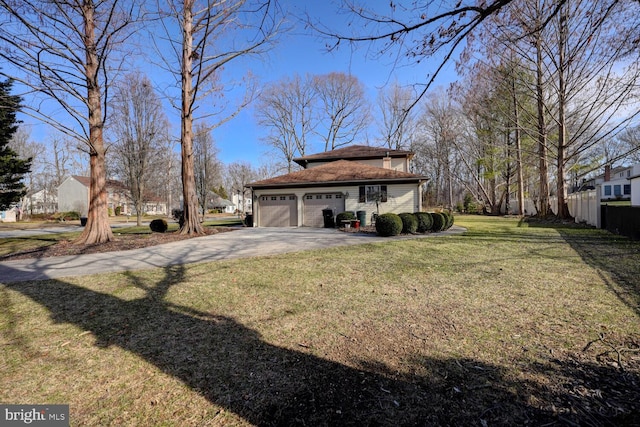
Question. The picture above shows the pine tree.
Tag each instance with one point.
(12, 168)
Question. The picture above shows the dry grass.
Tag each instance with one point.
(508, 324)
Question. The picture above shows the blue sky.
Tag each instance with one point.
(300, 51)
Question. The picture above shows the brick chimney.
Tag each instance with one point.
(607, 172)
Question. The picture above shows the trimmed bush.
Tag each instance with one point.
(439, 221)
(449, 220)
(388, 224)
(118, 210)
(67, 216)
(424, 221)
(409, 223)
(158, 225)
(344, 216)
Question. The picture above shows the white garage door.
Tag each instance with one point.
(315, 203)
(278, 211)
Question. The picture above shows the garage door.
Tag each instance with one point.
(315, 203)
(278, 211)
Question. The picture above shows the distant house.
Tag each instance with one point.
(223, 205)
(354, 178)
(615, 182)
(42, 201)
(73, 195)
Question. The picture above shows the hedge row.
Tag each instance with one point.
(391, 224)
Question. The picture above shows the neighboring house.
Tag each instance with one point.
(354, 178)
(224, 205)
(242, 201)
(42, 201)
(73, 195)
(615, 183)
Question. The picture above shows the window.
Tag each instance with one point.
(607, 190)
(372, 193)
(308, 197)
(318, 196)
(328, 196)
(283, 197)
(292, 197)
(617, 190)
(274, 198)
(627, 189)
(338, 196)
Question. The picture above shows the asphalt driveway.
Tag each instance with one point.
(240, 243)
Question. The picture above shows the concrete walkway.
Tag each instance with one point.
(241, 243)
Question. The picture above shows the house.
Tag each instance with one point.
(223, 205)
(73, 195)
(242, 201)
(615, 183)
(356, 178)
(43, 201)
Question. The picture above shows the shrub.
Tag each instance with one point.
(409, 223)
(344, 216)
(118, 210)
(67, 216)
(388, 224)
(178, 215)
(424, 221)
(449, 217)
(439, 222)
(158, 225)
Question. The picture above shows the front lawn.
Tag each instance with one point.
(508, 324)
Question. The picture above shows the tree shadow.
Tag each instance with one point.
(615, 258)
(232, 366)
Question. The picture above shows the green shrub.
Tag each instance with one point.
(118, 210)
(158, 225)
(449, 220)
(67, 216)
(439, 222)
(388, 224)
(424, 221)
(344, 216)
(409, 223)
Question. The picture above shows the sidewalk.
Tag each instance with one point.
(241, 243)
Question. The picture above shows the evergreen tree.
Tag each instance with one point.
(12, 168)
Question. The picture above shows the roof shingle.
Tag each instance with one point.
(338, 172)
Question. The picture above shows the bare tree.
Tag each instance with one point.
(207, 167)
(238, 175)
(138, 125)
(212, 34)
(397, 120)
(286, 108)
(343, 113)
(62, 51)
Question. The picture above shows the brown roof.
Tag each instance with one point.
(340, 172)
(86, 181)
(352, 152)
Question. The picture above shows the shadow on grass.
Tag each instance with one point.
(231, 366)
(615, 258)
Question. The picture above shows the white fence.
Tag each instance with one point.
(583, 206)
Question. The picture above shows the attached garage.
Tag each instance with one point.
(315, 203)
(280, 210)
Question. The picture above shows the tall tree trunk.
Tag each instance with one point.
(563, 208)
(97, 229)
(518, 142)
(543, 169)
(507, 197)
(191, 223)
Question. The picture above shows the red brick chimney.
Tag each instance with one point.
(607, 173)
